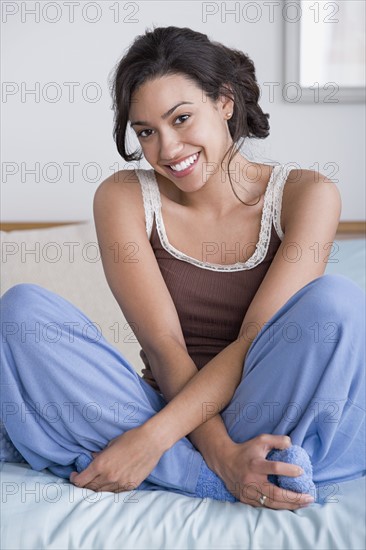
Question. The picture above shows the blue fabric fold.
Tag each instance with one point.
(211, 485)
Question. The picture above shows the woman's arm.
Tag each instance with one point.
(172, 369)
(201, 398)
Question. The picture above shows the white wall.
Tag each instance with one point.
(79, 130)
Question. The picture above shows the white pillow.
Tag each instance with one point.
(66, 259)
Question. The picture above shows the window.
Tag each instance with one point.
(324, 51)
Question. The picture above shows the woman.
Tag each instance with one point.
(254, 365)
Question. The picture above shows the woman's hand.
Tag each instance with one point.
(244, 470)
(147, 374)
(123, 464)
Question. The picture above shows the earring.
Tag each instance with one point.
(229, 115)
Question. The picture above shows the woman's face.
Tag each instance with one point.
(169, 133)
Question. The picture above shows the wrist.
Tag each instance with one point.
(157, 432)
(214, 444)
(218, 458)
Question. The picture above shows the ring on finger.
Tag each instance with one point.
(262, 500)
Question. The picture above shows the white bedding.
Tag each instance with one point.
(40, 510)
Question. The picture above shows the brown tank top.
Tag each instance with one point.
(212, 299)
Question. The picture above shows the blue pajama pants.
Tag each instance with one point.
(66, 391)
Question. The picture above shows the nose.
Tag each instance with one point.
(170, 146)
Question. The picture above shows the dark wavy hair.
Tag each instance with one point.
(216, 69)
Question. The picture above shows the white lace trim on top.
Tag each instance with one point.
(271, 212)
(281, 179)
(144, 179)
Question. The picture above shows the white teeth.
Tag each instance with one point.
(183, 165)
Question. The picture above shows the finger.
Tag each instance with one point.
(147, 374)
(269, 441)
(108, 487)
(72, 476)
(151, 381)
(85, 477)
(285, 496)
(286, 500)
(95, 485)
(274, 497)
(277, 468)
(264, 501)
(100, 483)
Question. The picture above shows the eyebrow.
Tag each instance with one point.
(164, 116)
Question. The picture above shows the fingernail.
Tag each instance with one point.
(308, 500)
(300, 471)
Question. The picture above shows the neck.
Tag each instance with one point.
(216, 199)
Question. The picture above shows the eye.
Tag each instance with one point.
(140, 134)
(180, 116)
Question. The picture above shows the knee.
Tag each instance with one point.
(19, 298)
(20, 292)
(338, 296)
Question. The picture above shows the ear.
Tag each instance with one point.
(226, 104)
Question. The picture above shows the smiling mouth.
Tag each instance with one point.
(184, 166)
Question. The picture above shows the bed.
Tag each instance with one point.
(41, 510)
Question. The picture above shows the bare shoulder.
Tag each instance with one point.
(123, 187)
(123, 181)
(309, 191)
